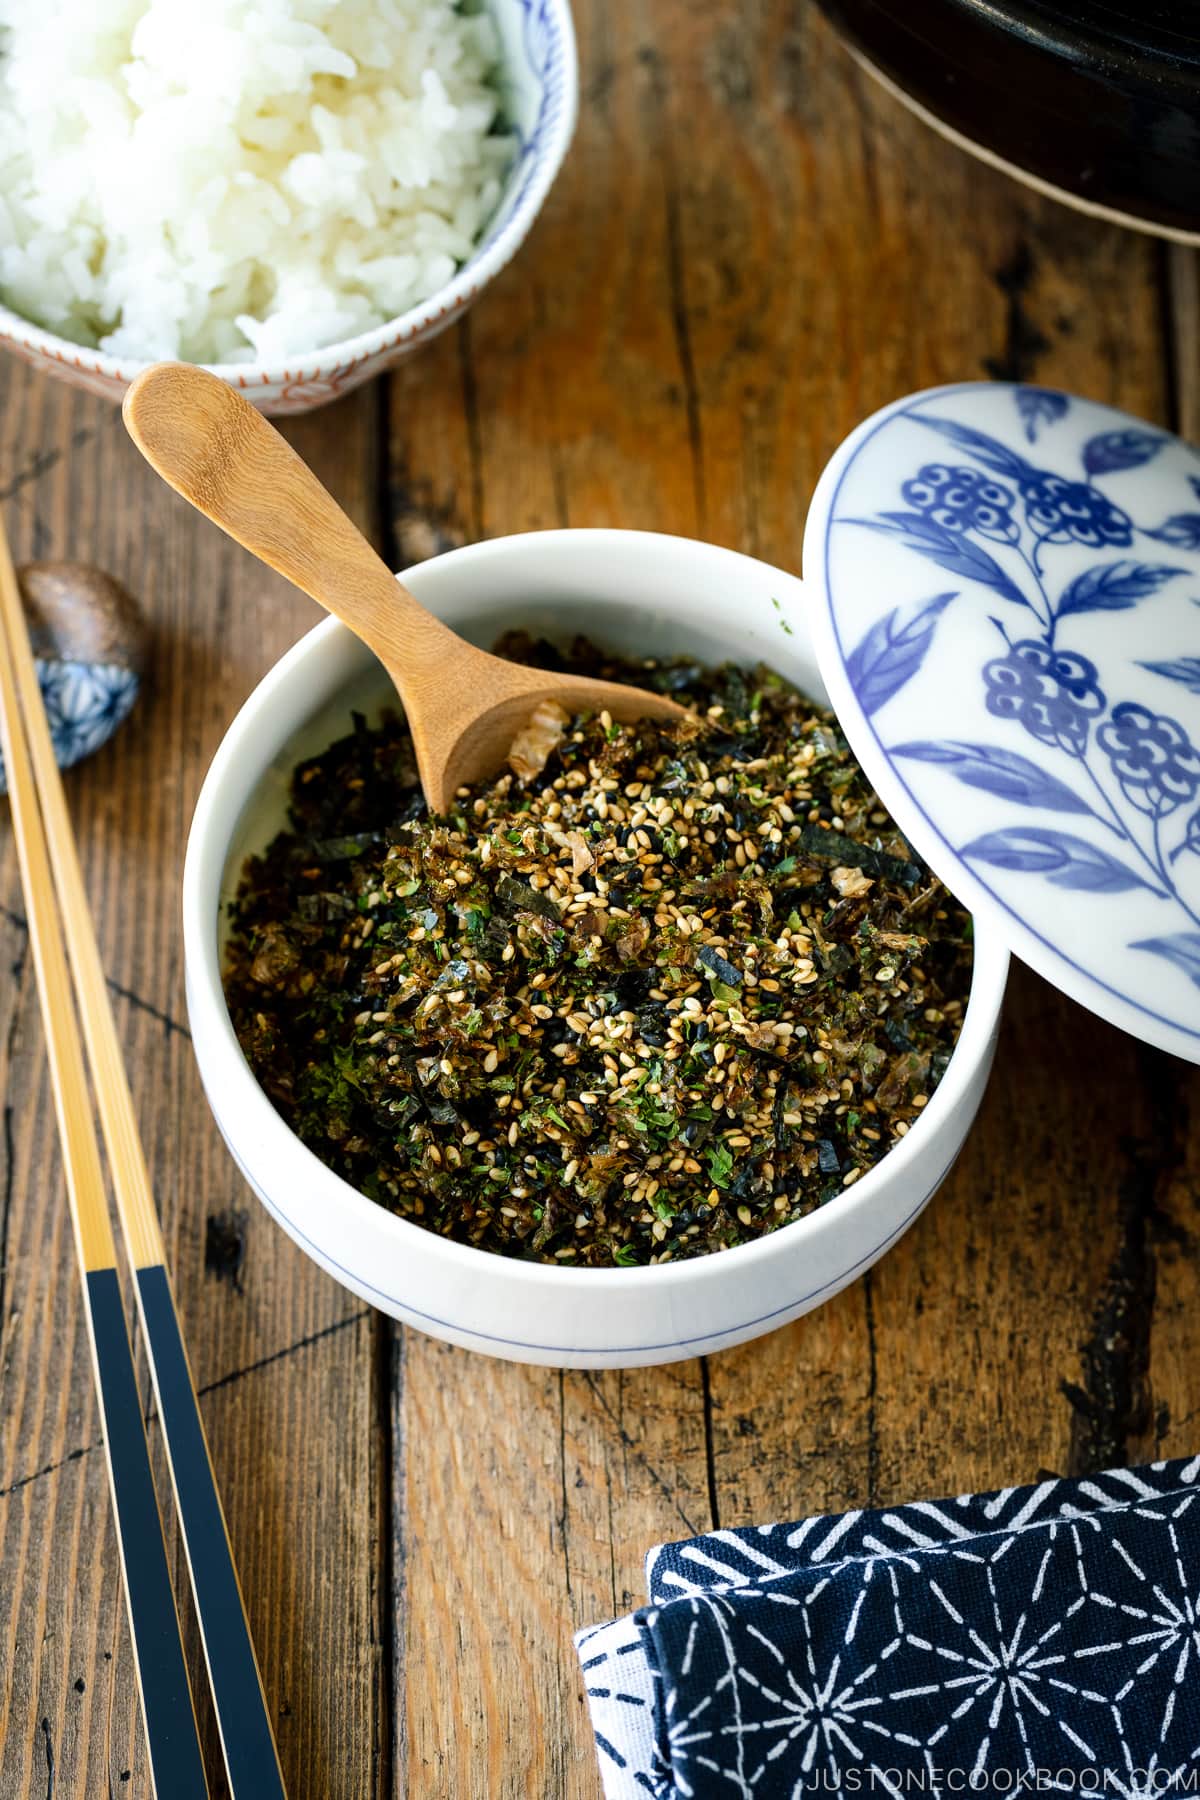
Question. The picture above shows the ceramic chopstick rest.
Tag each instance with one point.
(89, 639)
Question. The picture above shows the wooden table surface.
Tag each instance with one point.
(749, 250)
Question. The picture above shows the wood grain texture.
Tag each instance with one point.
(750, 248)
(1183, 337)
(300, 1464)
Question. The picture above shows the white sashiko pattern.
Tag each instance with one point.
(1039, 1639)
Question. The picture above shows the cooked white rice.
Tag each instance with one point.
(240, 180)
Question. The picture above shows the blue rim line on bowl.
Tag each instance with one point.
(491, 1337)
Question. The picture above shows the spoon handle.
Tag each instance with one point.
(215, 449)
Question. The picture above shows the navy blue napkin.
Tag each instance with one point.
(1037, 1640)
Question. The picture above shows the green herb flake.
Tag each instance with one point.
(720, 1164)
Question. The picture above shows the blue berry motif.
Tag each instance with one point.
(1133, 773)
(963, 500)
(1053, 693)
(1152, 757)
(1059, 510)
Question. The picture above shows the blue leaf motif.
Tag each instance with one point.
(1127, 449)
(951, 550)
(1039, 406)
(987, 450)
(1181, 529)
(1067, 861)
(1185, 669)
(1194, 483)
(892, 651)
(1182, 949)
(999, 771)
(1113, 587)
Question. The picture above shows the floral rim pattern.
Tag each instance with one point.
(1039, 714)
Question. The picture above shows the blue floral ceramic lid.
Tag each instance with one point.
(1006, 608)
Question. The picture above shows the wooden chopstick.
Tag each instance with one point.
(176, 1763)
(247, 1741)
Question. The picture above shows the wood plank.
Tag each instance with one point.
(529, 1498)
(298, 1445)
(1183, 305)
(961, 274)
(306, 1544)
(563, 399)
(1009, 1267)
(750, 250)
(297, 1438)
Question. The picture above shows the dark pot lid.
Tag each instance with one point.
(1005, 605)
(1098, 100)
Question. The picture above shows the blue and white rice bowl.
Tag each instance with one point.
(539, 86)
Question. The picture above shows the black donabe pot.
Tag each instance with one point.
(1098, 101)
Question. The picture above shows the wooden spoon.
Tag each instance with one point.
(463, 707)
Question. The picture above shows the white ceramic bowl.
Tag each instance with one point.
(639, 592)
(541, 95)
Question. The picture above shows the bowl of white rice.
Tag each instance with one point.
(294, 193)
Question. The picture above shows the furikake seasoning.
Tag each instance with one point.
(674, 990)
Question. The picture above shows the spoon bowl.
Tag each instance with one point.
(464, 707)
